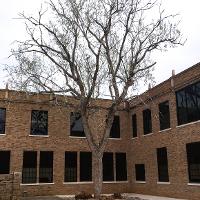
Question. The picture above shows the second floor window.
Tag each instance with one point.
(76, 125)
(147, 124)
(2, 120)
(39, 122)
(115, 129)
(134, 126)
(188, 104)
(164, 115)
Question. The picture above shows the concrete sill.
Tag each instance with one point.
(194, 184)
(74, 183)
(147, 134)
(43, 136)
(142, 182)
(78, 137)
(110, 182)
(36, 184)
(134, 138)
(167, 129)
(163, 183)
(190, 123)
(2, 135)
(114, 138)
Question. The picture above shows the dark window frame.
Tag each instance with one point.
(76, 133)
(134, 125)
(164, 115)
(2, 121)
(140, 173)
(5, 168)
(42, 131)
(71, 174)
(147, 121)
(115, 131)
(162, 164)
(193, 162)
(29, 174)
(188, 104)
(46, 167)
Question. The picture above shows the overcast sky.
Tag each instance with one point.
(179, 58)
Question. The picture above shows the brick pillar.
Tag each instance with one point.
(16, 193)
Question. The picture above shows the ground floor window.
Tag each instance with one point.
(4, 162)
(46, 167)
(140, 172)
(70, 166)
(193, 158)
(114, 167)
(162, 162)
(30, 167)
(29, 171)
(85, 166)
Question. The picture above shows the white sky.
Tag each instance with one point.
(179, 58)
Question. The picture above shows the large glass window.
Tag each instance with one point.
(134, 125)
(188, 104)
(193, 158)
(147, 124)
(108, 169)
(46, 167)
(29, 171)
(164, 115)
(2, 120)
(85, 166)
(121, 167)
(140, 172)
(76, 126)
(39, 122)
(162, 165)
(70, 166)
(115, 129)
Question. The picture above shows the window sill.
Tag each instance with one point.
(74, 183)
(114, 138)
(167, 129)
(142, 182)
(147, 134)
(110, 182)
(77, 137)
(134, 138)
(36, 184)
(163, 183)
(187, 124)
(45, 136)
(194, 184)
(2, 135)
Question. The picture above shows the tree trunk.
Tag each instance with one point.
(98, 175)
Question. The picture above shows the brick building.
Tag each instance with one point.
(154, 144)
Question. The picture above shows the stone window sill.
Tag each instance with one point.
(164, 130)
(193, 184)
(187, 124)
(74, 183)
(142, 182)
(163, 183)
(36, 184)
(44, 136)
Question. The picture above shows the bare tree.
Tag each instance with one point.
(86, 48)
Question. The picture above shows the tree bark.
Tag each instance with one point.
(98, 175)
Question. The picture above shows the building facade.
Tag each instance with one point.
(154, 144)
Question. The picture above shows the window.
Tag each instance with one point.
(162, 165)
(115, 129)
(70, 166)
(39, 122)
(2, 120)
(140, 172)
(29, 171)
(164, 115)
(188, 104)
(4, 162)
(147, 124)
(46, 167)
(76, 126)
(85, 166)
(108, 170)
(134, 125)
(121, 168)
(193, 158)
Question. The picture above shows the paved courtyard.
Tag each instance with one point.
(68, 197)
